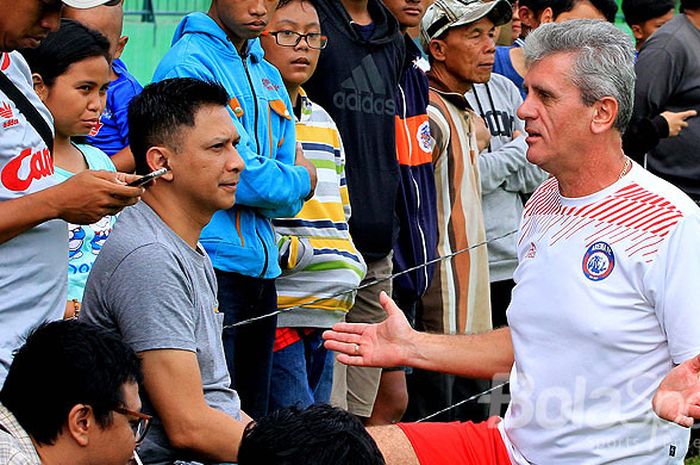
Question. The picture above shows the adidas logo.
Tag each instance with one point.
(6, 113)
(365, 91)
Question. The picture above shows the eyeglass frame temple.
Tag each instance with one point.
(140, 416)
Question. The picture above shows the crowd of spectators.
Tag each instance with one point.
(348, 177)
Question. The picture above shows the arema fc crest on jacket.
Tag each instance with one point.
(423, 137)
(598, 261)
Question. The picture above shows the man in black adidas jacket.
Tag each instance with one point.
(356, 82)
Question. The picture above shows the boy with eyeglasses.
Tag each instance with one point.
(357, 83)
(320, 263)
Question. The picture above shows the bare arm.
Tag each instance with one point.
(173, 382)
(394, 343)
(395, 446)
(124, 160)
(82, 199)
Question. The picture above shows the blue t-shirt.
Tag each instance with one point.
(112, 133)
(504, 66)
(85, 242)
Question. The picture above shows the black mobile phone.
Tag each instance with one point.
(143, 180)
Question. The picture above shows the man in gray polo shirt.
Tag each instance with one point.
(154, 284)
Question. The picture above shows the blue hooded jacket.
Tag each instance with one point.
(241, 239)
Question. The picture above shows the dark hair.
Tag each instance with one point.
(283, 3)
(608, 8)
(72, 43)
(318, 435)
(537, 6)
(63, 364)
(640, 11)
(159, 112)
(690, 5)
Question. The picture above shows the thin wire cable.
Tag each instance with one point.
(462, 402)
(368, 284)
(381, 280)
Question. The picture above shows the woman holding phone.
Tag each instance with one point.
(71, 73)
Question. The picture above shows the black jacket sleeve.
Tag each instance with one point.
(642, 135)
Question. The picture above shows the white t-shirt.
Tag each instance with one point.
(33, 265)
(607, 301)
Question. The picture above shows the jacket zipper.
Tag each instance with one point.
(255, 99)
(417, 193)
(244, 57)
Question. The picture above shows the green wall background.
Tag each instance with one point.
(149, 38)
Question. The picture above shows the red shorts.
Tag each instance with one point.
(457, 443)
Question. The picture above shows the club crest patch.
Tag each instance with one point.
(423, 137)
(598, 261)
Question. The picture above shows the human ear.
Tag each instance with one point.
(41, 89)
(79, 423)
(437, 49)
(547, 15)
(160, 157)
(527, 17)
(605, 113)
(637, 31)
(121, 43)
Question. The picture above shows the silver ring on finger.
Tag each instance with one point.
(356, 349)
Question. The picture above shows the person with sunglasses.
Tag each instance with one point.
(318, 256)
(91, 409)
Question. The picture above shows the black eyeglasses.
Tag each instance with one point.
(314, 40)
(139, 423)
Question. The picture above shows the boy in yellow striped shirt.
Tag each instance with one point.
(320, 265)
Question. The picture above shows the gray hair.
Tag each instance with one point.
(603, 62)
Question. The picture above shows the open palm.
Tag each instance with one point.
(373, 345)
(678, 396)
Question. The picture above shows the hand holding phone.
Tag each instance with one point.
(143, 180)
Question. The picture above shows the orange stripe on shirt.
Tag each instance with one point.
(413, 143)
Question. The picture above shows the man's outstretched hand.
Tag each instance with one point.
(383, 344)
(678, 396)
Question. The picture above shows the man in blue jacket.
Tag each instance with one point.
(223, 46)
